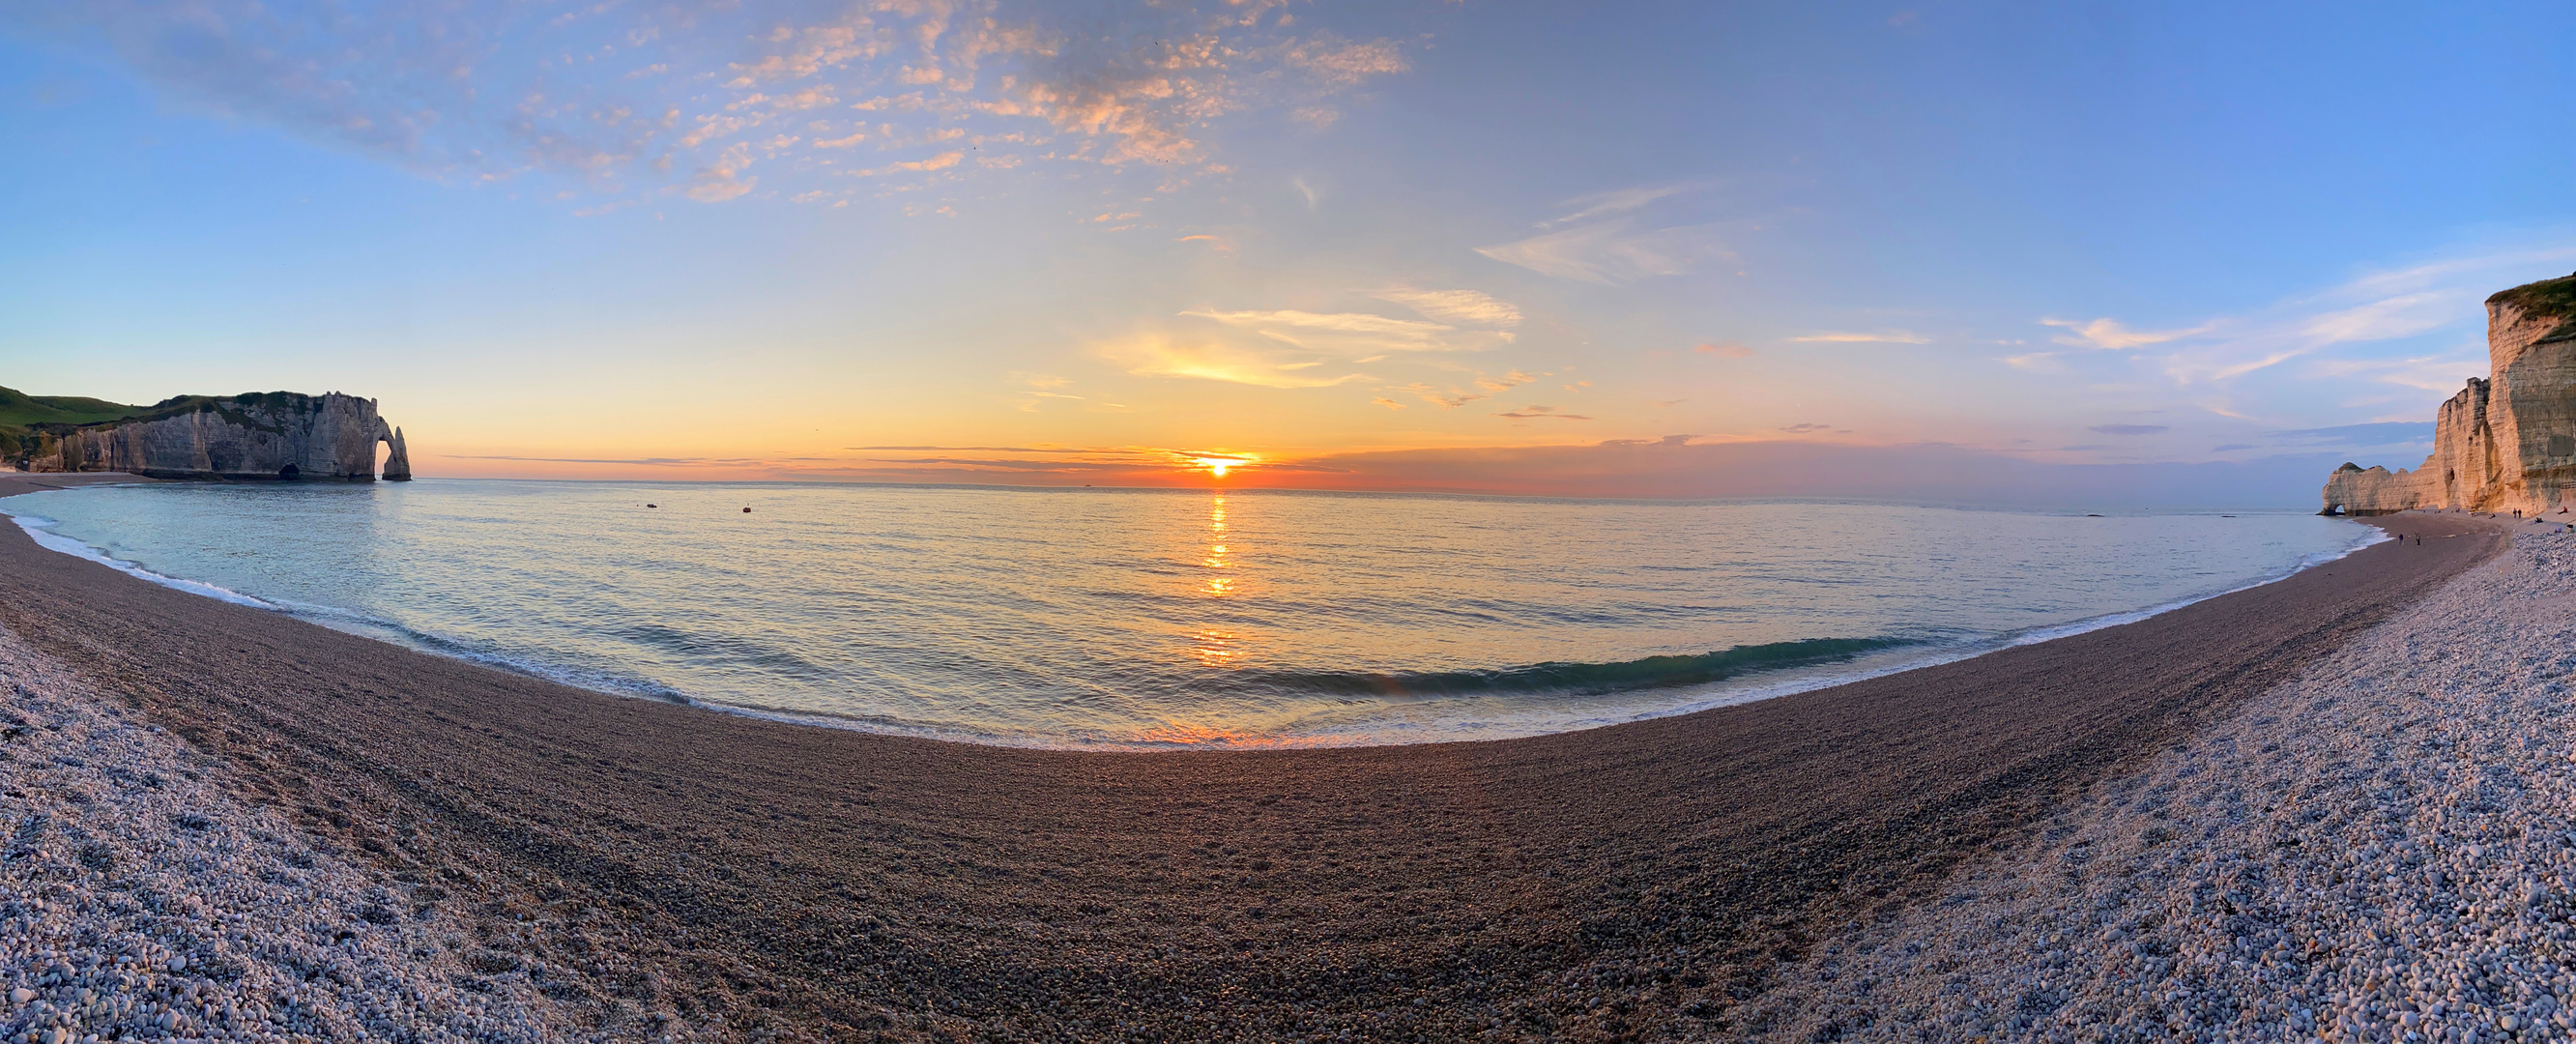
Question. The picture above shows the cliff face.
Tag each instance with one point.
(270, 435)
(2506, 443)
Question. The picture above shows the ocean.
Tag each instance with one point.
(1156, 619)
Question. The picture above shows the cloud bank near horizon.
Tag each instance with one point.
(1671, 468)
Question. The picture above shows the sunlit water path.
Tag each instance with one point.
(1153, 618)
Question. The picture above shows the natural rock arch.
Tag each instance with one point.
(398, 461)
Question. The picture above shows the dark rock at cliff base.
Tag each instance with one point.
(260, 435)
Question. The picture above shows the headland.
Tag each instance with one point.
(2506, 443)
(252, 436)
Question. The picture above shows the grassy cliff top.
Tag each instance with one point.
(23, 410)
(229, 406)
(27, 420)
(19, 409)
(2547, 297)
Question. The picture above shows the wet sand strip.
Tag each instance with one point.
(739, 878)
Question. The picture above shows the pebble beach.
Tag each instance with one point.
(2328, 808)
(2382, 850)
(140, 898)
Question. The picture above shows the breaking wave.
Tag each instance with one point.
(1583, 679)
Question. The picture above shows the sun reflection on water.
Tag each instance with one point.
(1215, 648)
(1092, 616)
(1217, 586)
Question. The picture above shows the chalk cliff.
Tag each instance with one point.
(2505, 443)
(261, 435)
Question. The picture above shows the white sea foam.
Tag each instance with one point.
(1596, 714)
(41, 530)
(2042, 634)
(976, 616)
(1910, 658)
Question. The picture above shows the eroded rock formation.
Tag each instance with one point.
(398, 461)
(2505, 443)
(261, 435)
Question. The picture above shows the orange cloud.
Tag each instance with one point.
(1153, 355)
(942, 161)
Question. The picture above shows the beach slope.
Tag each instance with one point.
(658, 868)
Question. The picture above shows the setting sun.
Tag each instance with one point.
(1217, 466)
(1715, 563)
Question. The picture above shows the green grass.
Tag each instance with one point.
(2545, 298)
(2548, 298)
(19, 409)
(29, 422)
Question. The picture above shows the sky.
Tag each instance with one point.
(1699, 249)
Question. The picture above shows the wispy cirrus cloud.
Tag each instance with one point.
(1615, 201)
(1294, 348)
(1471, 307)
(2443, 372)
(1159, 355)
(2381, 347)
(1345, 333)
(1605, 237)
(626, 99)
(1863, 337)
(1483, 387)
(2036, 362)
(1541, 413)
(1608, 252)
(2339, 326)
(2247, 346)
(2109, 334)
(943, 161)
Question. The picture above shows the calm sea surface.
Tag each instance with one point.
(1119, 618)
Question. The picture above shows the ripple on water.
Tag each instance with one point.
(1164, 618)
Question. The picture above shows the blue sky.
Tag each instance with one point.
(763, 238)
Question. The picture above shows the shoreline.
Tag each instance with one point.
(651, 870)
(1599, 710)
(2374, 851)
